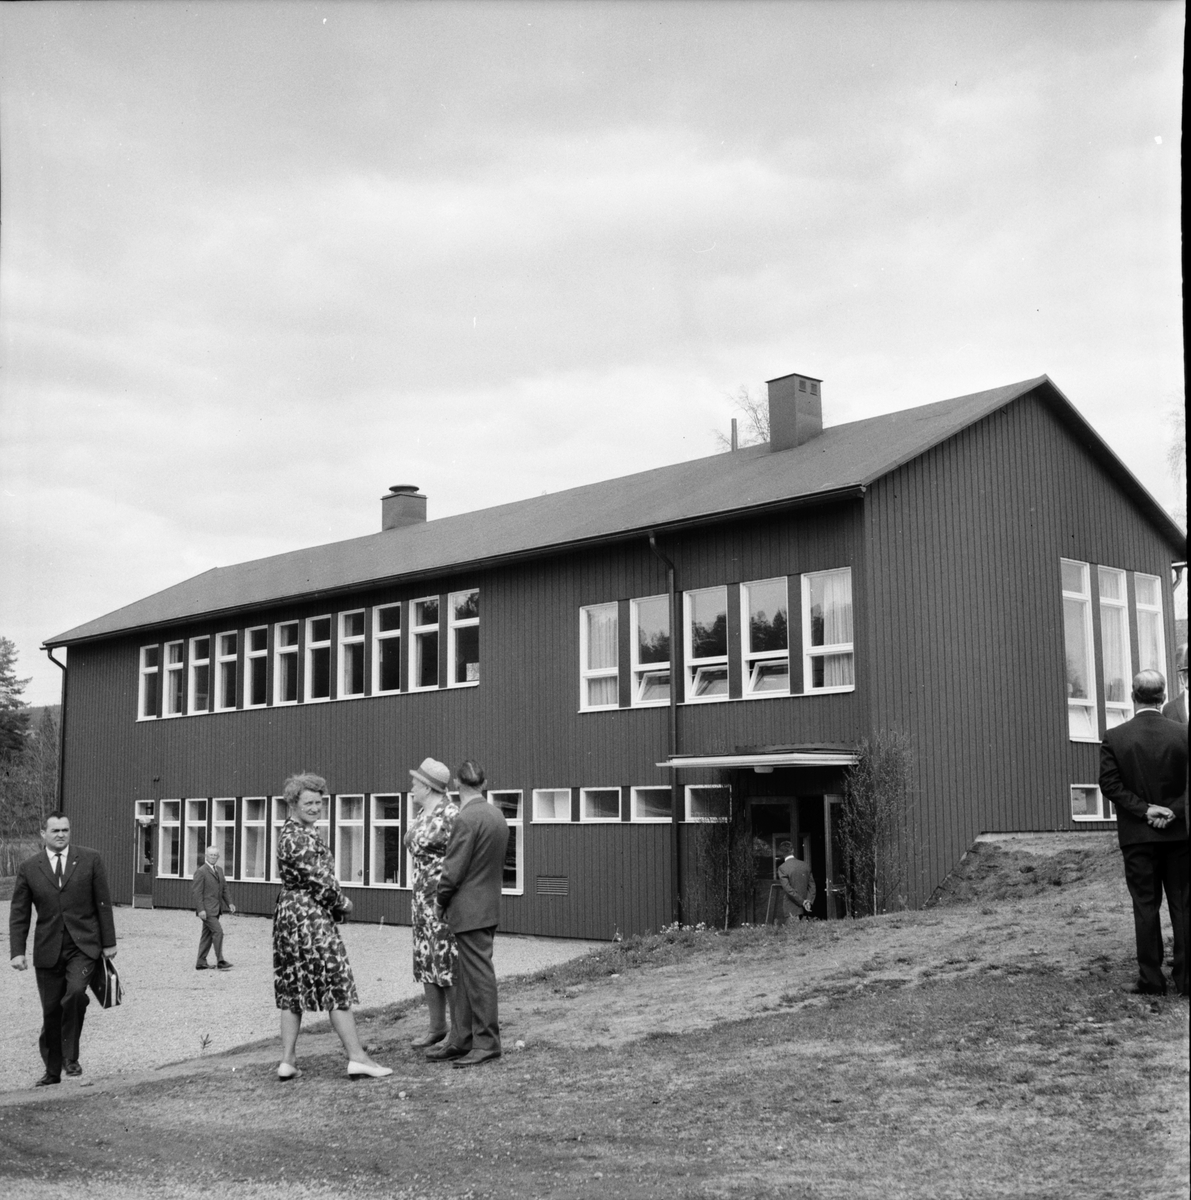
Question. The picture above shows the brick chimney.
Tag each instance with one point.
(795, 411)
(404, 505)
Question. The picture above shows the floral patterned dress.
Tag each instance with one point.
(310, 968)
(435, 952)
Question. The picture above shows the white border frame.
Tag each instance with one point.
(342, 823)
(286, 651)
(380, 636)
(221, 661)
(584, 819)
(377, 826)
(142, 672)
(251, 657)
(693, 667)
(416, 634)
(352, 639)
(263, 825)
(168, 671)
(537, 820)
(311, 647)
(193, 662)
(455, 623)
(588, 673)
(1085, 598)
(516, 827)
(750, 659)
(637, 819)
(809, 652)
(704, 787)
(639, 670)
(1117, 610)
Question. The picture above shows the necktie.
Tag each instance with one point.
(58, 868)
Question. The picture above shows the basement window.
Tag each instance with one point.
(651, 804)
(1088, 804)
(708, 803)
(599, 804)
(552, 804)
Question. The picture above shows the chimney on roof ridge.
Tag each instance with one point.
(795, 411)
(404, 505)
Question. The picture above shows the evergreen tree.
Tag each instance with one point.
(14, 716)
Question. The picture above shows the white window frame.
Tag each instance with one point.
(342, 824)
(193, 665)
(418, 633)
(642, 671)
(635, 798)
(220, 825)
(753, 662)
(380, 639)
(283, 652)
(1116, 712)
(146, 670)
(1106, 810)
(689, 795)
(312, 648)
(261, 824)
(809, 652)
(252, 659)
(171, 820)
(278, 815)
(347, 644)
(225, 697)
(174, 679)
(454, 624)
(516, 826)
(709, 665)
(1154, 610)
(589, 674)
(379, 826)
(554, 793)
(191, 853)
(1086, 705)
(586, 819)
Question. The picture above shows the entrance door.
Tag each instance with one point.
(835, 890)
(144, 842)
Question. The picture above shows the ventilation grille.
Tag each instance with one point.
(553, 885)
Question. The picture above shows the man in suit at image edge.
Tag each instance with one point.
(469, 900)
(211, 898)
(68, 887)
(1143, 771)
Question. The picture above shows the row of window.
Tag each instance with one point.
(366, 831)
(762, 656)
(1110, 602)
(321, 658)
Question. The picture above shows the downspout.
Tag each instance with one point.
(675, 857)
(61, 726)
(1178, 568)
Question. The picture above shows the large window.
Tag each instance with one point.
(196, 835)
(651, 650)
(463, 645)
(765, 637)
(509, 804)
(599, 804)
(285, 663)
(388, 853)
(423, 659)
(1077, 641)
(349, 839)
(708, 803)
(827, 631)
(252, 852)
(552, 804)
(386, 648)
(200, 675)
(256, 666)
(150, 682)
(223, 833)
(174, 695)
(706, 634)
(226, 645)
(1114, 642)
(598, 657)
(170, 858)
(651, 804)
(1151, 641)
(318, 658)
(351, 653)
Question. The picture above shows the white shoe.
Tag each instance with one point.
(286, 1071)
(359, 1070)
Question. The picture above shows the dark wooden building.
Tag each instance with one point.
(631, 659)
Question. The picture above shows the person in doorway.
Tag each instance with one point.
(798, 884)
(435, 954)
(1143, 771)
(1176, 709)
(211, 898)
(310, 968)
(469, 895)
(68, 886)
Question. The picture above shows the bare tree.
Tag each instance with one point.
(755, 424)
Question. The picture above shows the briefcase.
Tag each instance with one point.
(105, 983)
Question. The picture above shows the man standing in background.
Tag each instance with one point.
(211, 898)
(797, 882)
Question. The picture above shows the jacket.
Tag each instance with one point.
(82, 907)
(473, 867)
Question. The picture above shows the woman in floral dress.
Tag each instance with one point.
(310, 968)
(435, 953)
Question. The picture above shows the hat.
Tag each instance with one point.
(433, 774)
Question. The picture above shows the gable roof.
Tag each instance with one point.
(839, 463)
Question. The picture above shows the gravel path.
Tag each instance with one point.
(170, 1008)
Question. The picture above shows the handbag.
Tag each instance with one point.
(105, 983)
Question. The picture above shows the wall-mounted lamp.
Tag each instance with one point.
(763, 770)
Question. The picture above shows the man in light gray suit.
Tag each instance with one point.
(469, 901)
(211, 898)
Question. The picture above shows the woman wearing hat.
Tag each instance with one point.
(434, 945)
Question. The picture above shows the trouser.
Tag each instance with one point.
(793, 910)
(477, 1023)
(64, 1000)
(212, 935)
(1152, 868)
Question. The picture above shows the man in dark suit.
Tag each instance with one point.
(797, 882)
(469, 901)
(68, 887)
(211, 898)
(1143, 771)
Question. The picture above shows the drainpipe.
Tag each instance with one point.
(675, 857)
(1178, 568)
(61, 725)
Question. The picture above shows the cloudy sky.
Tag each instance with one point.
(260, 261)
